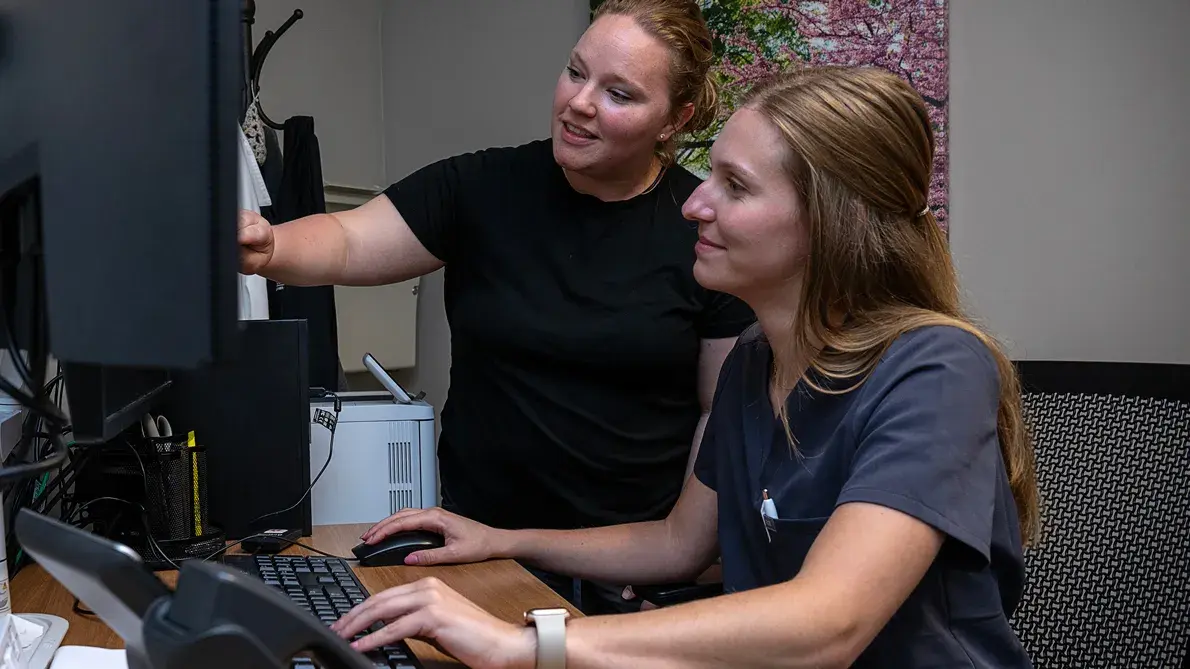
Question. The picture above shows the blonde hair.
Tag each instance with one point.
(680, 25)
(861, 152)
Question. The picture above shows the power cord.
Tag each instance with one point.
(291, 542)
(325, 419)
(144, 520)
(148, 528)
(20, 214)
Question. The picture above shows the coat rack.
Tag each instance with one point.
(254, 57)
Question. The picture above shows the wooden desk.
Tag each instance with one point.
(501, 587)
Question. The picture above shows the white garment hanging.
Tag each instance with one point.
(254, 296)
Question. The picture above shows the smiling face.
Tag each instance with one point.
(612, 101)
(751, 219)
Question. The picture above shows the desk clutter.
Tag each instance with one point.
(148, 490)
(86, 657)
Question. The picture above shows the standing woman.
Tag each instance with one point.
(584, 353)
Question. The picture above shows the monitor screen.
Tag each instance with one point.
(118, 183)
(117, 133)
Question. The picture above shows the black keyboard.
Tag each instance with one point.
(327, 588)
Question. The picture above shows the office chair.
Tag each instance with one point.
(1108, 583)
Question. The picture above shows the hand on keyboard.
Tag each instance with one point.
(325, 587)
(428, 609)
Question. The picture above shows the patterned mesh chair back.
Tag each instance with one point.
(1109, 581)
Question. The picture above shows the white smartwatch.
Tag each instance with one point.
(551, 636)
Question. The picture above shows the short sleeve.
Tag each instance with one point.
(723, 316)
(428, 200)
(729, 385)
(706, 465)
(929, 448)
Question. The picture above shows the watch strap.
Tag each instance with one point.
(551, 641)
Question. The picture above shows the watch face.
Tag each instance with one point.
(535, 613)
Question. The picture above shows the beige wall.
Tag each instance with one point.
(1070, 189)
(328, 66)
(462, 75)
(1069, 179)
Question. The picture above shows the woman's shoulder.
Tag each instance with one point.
(939, 351)
(945, 341)
(504, 157)
(747, 358)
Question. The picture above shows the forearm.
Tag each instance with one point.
(310, 251)
(779, 626)
(636, 553)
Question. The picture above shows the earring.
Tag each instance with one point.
(662, 137)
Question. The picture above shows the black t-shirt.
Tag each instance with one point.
(575, 328)
(919, 436)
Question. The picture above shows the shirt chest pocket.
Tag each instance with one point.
(789, 543)
(804, 497)
(803, 488)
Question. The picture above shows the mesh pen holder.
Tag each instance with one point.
(177, 488)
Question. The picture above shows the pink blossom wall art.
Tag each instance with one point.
(757, 37)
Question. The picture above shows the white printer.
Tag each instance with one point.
(384, 456)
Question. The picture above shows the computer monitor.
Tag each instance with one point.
(118, 181)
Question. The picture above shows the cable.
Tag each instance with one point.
(144, 520)
(33, 372)
(78, 608)
(291, 542)
(54, 460)
(148, 529)
(18, 360)
(322, 417)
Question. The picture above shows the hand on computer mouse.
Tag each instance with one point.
(465, 540)
(256, 242)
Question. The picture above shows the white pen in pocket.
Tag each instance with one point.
(768, 514)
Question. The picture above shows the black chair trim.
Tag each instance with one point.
(1131, 379)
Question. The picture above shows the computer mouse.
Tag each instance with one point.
(393, 549)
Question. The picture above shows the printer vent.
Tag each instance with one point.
(403, 475)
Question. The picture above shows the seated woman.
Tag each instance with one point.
(884, 427)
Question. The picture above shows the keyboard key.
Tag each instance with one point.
(326, 591)
(377, 660)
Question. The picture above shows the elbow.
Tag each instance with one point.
(832, 636)
(688, 561)
(840, 644)
(692, 571)
(842, 651)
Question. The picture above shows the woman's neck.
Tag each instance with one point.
(777, 315)
(623, 185)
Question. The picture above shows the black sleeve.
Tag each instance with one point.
(706, 463)
(429, 198)
(929, 448)
(723, 316)
(730, 384)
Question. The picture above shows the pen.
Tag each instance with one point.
(767, 507)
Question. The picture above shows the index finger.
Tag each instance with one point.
(381, 523)
(387, 605)
(418, 519)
